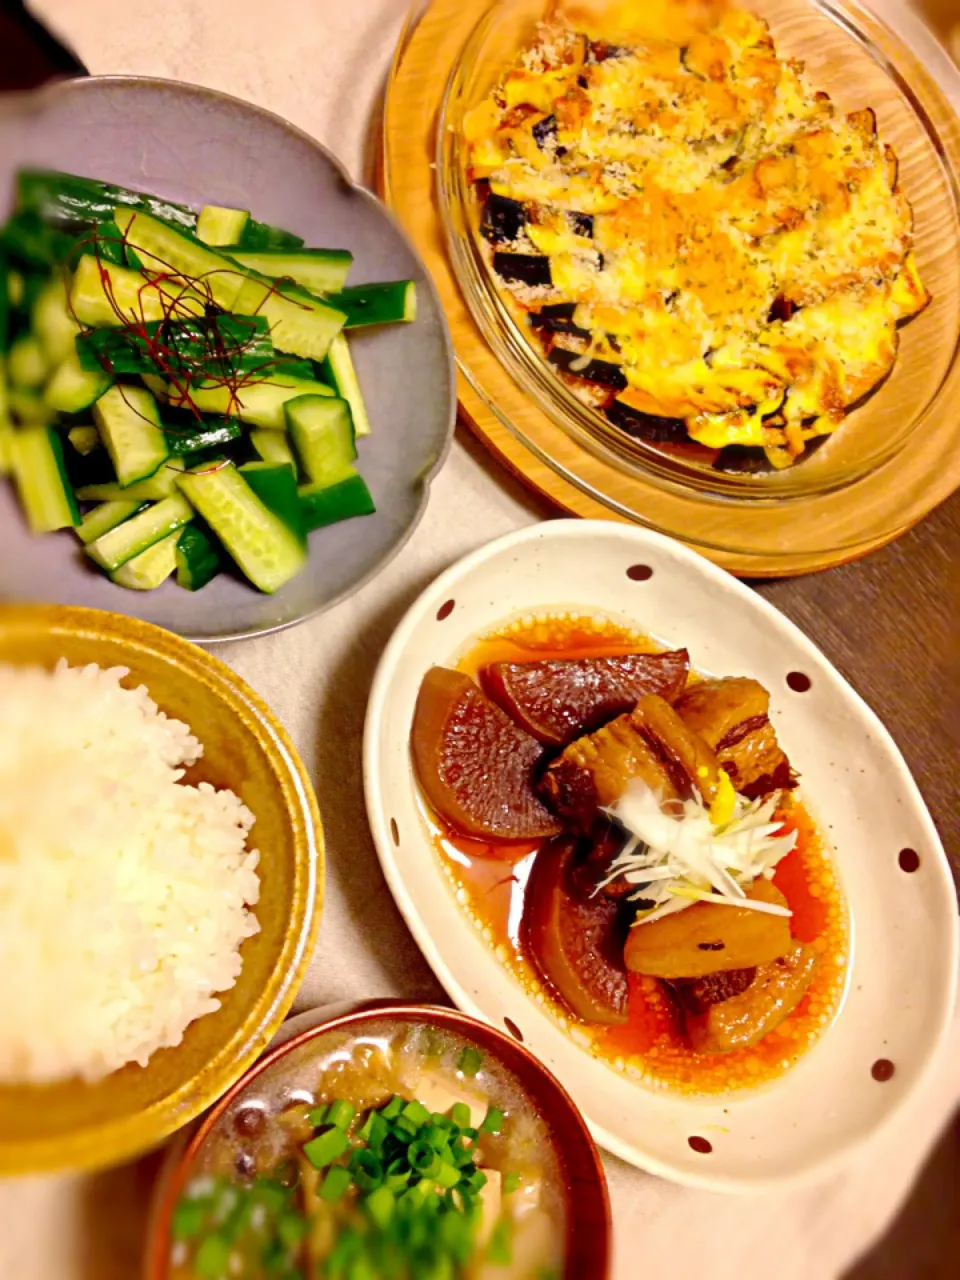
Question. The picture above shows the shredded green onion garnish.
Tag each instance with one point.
(677, 854)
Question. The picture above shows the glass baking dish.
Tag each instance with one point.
(859, 62)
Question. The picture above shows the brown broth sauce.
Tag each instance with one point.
(489, 881)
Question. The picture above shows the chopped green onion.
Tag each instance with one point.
(335, 1183)
(443, 1122)
(493, 1121)
(212, 1258)
(393, 1108)
(407, 1126)
(317, 1116)
(461, 1114)
(272, 1197)
(188, 1219)
(476, 1180)
(417, 1113)
(438, 1138)
(341, 1113)
(423, 1159)
(398, 1173)
(380, 1205)
(361, 1269)
(227, 1200)
(379, 1130)
(471, 1060)
(366, 1168)
(327, 1146)
(462, 1156)
(366, 1129)
(291, 1229)
(511, 1182)
(448, 1176)
(460, 1199)
(456, 1235)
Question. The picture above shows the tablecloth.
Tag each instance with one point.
(322, 64)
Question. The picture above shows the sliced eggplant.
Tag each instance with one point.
(523, 268)
(743, 459)
(545, 131)
(581, 224)
(503, 219)
(782, 309)
(558, 318)
(603, 372)
(600, 51)
(646, 426)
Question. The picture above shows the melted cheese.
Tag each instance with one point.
(725, 193)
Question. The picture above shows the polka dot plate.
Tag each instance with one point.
(890, 1022)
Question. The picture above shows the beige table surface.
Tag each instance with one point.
(322, 64)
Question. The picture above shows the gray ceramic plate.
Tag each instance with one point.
(199, 147)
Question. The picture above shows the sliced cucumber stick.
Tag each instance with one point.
(115, 548)
(338, 368)
(28, 408)
(319, 270)
(104, 295)
(41, 478)
(261, 235)
(27, 365)
(328, 504)
(150, 568)
(84, 439)
(52, 322)
(198, 557)
(104, 518)
(160, 485)
(322, 433)
(218, 226)
(72, 388)
(129, 425)
(205, 435)
(299, 323)
(259, 403)
(387, 303)
(276, 487)
(260, 543)
(163, 248)
(272, 446)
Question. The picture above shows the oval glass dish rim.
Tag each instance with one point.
(532, 374)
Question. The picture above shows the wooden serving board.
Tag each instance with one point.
(798, 536)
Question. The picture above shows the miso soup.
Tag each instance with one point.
(393, 1151)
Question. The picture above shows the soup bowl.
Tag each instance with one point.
(575, 1191)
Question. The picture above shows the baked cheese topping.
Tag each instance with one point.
(692, 230)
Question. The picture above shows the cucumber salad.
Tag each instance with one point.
(178, 387)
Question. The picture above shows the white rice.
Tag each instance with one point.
(124, 892)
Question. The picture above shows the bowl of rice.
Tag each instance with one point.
(161, 872)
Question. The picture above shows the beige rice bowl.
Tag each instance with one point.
(125, 893)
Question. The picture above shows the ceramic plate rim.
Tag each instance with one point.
(60, 88)
(441, 589)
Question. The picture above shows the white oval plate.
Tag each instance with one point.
(904, 951)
